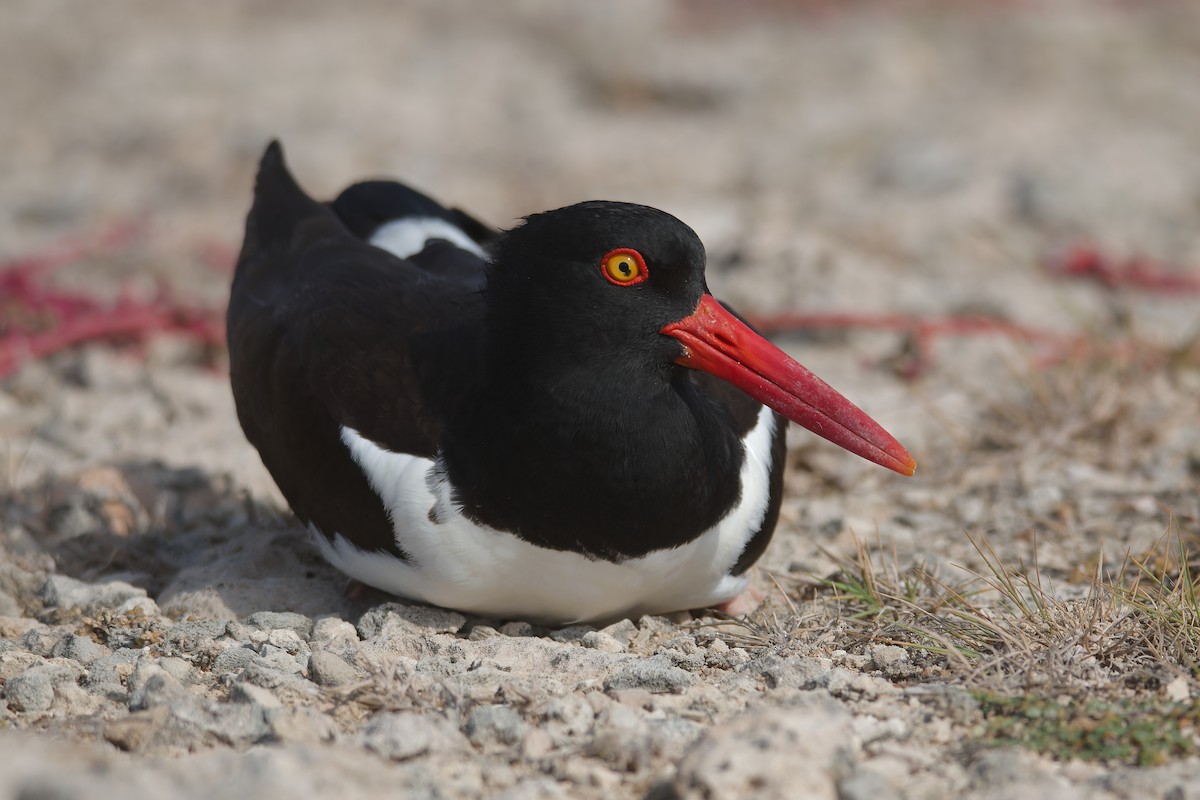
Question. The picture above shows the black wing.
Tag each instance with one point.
(326, 331)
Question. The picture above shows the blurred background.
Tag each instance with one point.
(913, 148)
(933, 159)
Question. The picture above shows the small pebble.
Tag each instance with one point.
(62, 591)
(15, 661)
(771, 753)
(404, 735)
(141, 605)
(689, 661)
(9, 606)
(599, 640)
(406, 619)
(326, 669)
(571, 714)
(330, 629)
(536, 744)
(481, 632)
(516, 629)
(150, 685)
(887, 656)
(233, 659)
(299, 624)
(261, 673)
(866, 784)
(276, 658)
(33, 689)
(192, 635)
(655, 674)
(572, 634)
(790, 672)
(16, 627)
(114, 668)
(623, 631)
(42, 640)
(287, 640)
(488, 726)
(249, 693)
(621, 739)
(241, 632)
(303, 725)
(178, 669)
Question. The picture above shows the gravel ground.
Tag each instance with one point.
(166, 628)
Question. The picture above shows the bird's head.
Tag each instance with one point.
(623, 284)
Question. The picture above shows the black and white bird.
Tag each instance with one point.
(556, 423)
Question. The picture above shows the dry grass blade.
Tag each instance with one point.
(1166, 602)
(1003, 629)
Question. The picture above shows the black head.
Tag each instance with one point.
(589, 431)
(594, 280)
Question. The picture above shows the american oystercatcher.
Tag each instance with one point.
(556, 423)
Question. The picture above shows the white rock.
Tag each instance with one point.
(404, 735)
(331, 629)
(599, 640)
(770, 755)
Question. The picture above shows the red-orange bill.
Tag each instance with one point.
(717, 342)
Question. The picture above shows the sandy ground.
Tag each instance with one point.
(925, 159)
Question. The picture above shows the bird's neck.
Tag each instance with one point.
(616, 461)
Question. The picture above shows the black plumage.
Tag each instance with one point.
(558, 403)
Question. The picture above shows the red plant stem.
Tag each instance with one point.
(38, 321)
(922, 327)
(1088, 263)
(924, 331)
(125, 321)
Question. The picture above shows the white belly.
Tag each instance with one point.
(460, 564)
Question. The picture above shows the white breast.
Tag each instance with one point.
(459, 564)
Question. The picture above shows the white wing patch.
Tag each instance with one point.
(460, 564)
(407, 237)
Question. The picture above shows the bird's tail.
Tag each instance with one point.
(280, 209)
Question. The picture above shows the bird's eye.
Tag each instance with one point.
(624, 267)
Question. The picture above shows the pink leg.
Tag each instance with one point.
(745, 603)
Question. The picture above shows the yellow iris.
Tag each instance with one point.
(624, 267)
